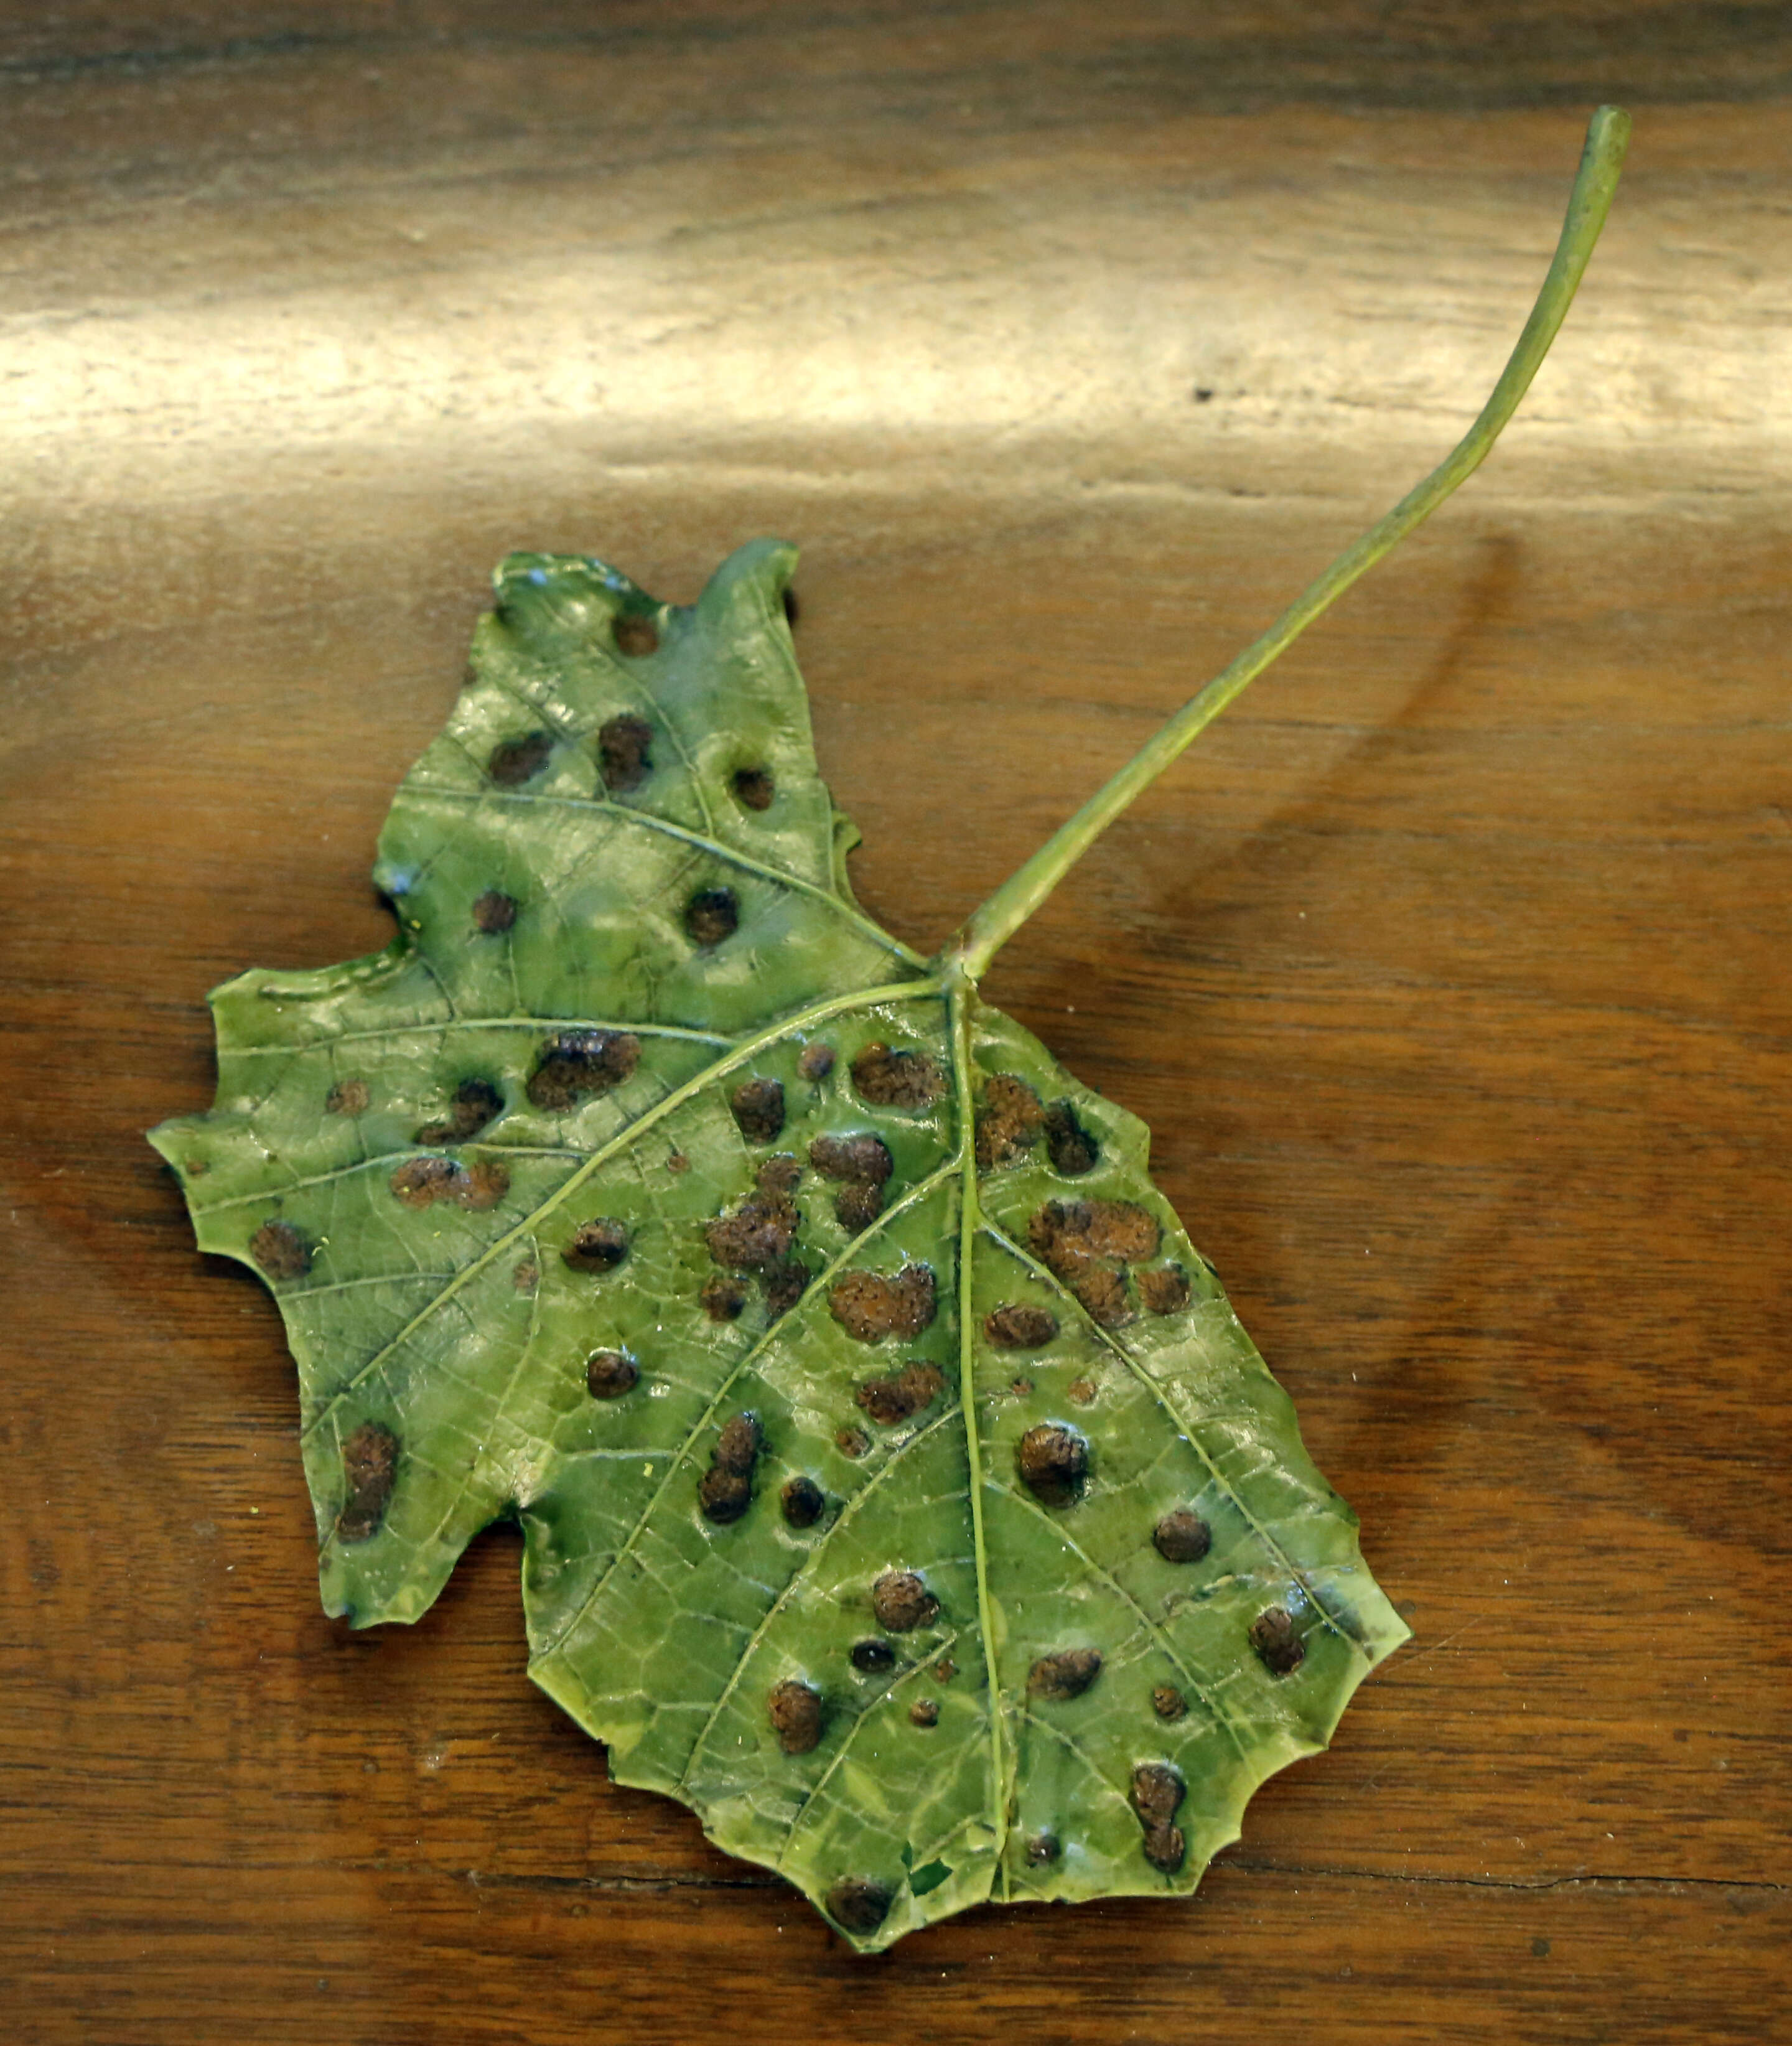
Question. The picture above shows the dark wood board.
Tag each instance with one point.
(1450, 970)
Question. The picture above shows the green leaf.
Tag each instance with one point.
(898, 1488)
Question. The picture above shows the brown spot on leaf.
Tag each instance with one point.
(726, 1489)
(755, 1235)
(1008, 1123)
(419, 1183)
(872, 1658)
(676, 1161)
(526, 1276)
(1019, 1326)
(857, 1205)
(346, 1097)
(1157, 1791)
(779, 1175)
(599, 1246)
(1042, 1850)
(1168, 1703)
(785, 1284)
(925, 1712)
(816, 1062)
(803, 1501)
(281, 1250)
(758, 1108)
(794, 1710)
(1182, 1536)
(1164, 1290)
(476, 1103)
(635, 635)
(898, 1078)
(1082, 1390)
(1052, 1463)
(902, 1602)
(1279, 1648)
(869, 1306)
(889, 1400)
(1088, 1244)
(494, 912)
(370, 1469)
(853, 1442)
(863, 1157)
(858, 1903)
(945, 1669)
(516, 761)
(1021, 1388)
(1067, 1674)
(609, 1373)
(754, 788)
(1071, 1149)
(723, 1298)
(625, 753)
(582, 1062)
(711, 915)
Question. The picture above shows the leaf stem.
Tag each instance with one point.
(991, 926)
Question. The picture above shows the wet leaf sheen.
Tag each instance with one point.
(898, 1488)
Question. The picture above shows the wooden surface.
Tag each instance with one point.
(1451, 969)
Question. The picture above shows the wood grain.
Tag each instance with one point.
(1450, 971)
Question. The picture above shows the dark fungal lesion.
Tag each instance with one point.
(1042, 1850)
(797, 1714)
(625, 753)
(579, 1063)
(281, 1250)
(863, 1165)
(598, 1245)
(725, 1491)
(1009, 1120)
(611, 1373)
(370, 1472)
(802, 1501)
(758, 1236)
(1182, 1536)
(891, 1401)
(1064, 1675)
(925, 1712)
(902, 1602)
(1165, 1290)
(1052, 1462)
(512, 762)
(723, 1297)
(1072, 1149)
(1090, 1245)
(859, 1903)
(900, 1079)
(494, 912)
(815, 1063)
(1017, 1325)
(1156, 1792)
(872, 1658)
(1278, 1644)
(754, 788)
(757, 1106)
(1168, 1703)
(420, 1183)
(348, 1096)
(870, 1307)
(712, 915)
(475, 1103)
(636, 635)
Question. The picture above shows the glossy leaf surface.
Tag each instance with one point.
(898, 1488)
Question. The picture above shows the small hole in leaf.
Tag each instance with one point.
(516, 761)
(637, 635)
(712, 915)
(494, 912)
(754, 788)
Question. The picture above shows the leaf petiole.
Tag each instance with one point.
(991, 927)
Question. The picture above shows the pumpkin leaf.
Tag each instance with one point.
(898, 1487)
